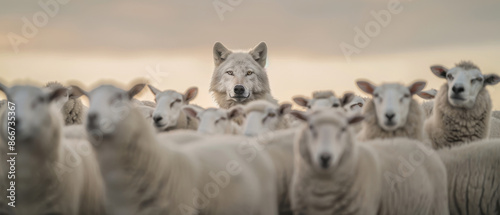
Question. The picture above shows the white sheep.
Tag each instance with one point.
(392, 112)
(221, 175)
(320, 99)
(53, 175)
(262, 116)
(215, 120)
(473, 177)
(71, 105)
(168, 114)
(336, 175)
(462, 107)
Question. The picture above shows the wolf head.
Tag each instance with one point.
(239, 77)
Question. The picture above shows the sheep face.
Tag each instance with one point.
(465, 81)
(35, 115)
(213, 120)
(169, 105)
(326, 138)
(355, 106)
(318, 103)
(392, 102)
(266, 120)
(109, 106)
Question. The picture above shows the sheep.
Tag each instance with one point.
(168, 114)
(147, 175)
(462, 108)
(494, 128)
(54, 175)
(392, 112)
(473, 173)
(215, 120)
(336, 175)
(428, 105)
(496, 114)
(71, 106)
(320, 99)
(262, 116)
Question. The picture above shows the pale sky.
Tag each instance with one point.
(170, 42)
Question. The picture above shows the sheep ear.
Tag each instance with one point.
(191, 94)
(299, 115)
(491, 79)
(428, 94)
(3, 88)
(191, 112)
(220, 53)
(135, 90)
(417, 87)
(346, 98)
(439, 71)
(259, 53)
(301, 101)
(55, 94)
(235, 112)
(76, 92)
(284, 109)
(366, 86)
(154, 90)
(355, 119)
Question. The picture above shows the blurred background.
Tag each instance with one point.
(170, 42)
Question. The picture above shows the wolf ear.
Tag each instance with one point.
(220, 53)
(259, 53)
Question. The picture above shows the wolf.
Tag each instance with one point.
(240, 77)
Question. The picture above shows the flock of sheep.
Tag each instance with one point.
(386, 154)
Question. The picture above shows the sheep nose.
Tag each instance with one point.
(92, 117)
(457, 89)
(239, 90)
(390, 116)
(325, 160)
(157, 119)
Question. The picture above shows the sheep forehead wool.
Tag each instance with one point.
(323, 94)
(53, 85)
(467, 65)
(170, 94)
(328, 116)
(393, 87)
(260, 106)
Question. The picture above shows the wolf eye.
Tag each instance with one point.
(230, 72)
(450, 77)
(249, 73)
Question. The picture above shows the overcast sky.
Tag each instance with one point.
(122, 40)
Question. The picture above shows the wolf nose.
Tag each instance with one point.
(325, 160)
(390, 116)
(457, 89)
(239, 90)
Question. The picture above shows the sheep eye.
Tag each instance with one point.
(480, 79)
(308, 106)
(249, 73)
(230, 72)
(216, 121)
(449, 76)
(177, 100)
(343, 129)
(407, 95)
(222, 118)
(335, 105)
(376, 95)
(271, 114)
